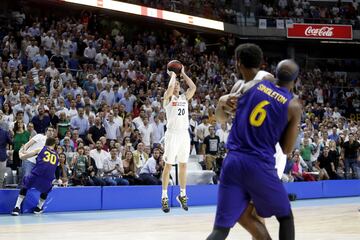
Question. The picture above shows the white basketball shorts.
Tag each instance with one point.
(177, 147)
(280, 160)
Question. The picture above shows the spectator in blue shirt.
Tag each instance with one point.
(127, 102)
(41, 58)
(81, 123)
(41, 121)
(334, 136)
(89, 85)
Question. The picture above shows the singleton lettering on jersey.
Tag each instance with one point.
(270, 92)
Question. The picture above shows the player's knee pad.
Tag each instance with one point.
(43, 195)
(23, 191)
(219, 233)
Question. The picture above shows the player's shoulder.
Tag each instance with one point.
(295, 106)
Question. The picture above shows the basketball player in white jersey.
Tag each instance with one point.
(177, 137)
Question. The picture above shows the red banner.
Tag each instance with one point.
(320, 31)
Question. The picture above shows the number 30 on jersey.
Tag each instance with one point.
(49, 157)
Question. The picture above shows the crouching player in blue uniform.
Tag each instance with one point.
(41, 176)
(265, 114)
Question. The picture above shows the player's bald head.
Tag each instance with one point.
(287, 70)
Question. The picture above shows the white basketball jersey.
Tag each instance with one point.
(177, 113)
(261, 74)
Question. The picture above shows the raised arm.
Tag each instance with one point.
(192, 87)
(170, 90)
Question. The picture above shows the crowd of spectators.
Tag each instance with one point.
(102, 93)
(335, 12)
(305, 11)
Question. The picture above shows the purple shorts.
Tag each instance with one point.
(41, 184)
(245, 178)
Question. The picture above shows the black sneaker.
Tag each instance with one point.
(165, 205)
(183, 202)
(38, 210)
(15, 211)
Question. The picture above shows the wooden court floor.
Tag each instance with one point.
(336, 219)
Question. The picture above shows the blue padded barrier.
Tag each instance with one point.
(341, 188)
(66, 199)
(305, 190)
(127, 197)
(131, 197)
(8, 199)
(198, 195)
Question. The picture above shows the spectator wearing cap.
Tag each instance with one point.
(41, 121)
(81, 123)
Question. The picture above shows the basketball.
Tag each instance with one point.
(174, 66)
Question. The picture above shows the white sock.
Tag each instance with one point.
(182, 192)
(19, 200)
(164, 194)
(41, 203)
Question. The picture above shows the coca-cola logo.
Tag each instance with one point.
(320, 32)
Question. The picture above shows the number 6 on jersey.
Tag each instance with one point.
(258, 114)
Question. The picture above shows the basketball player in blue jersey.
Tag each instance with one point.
(249, 57)
(266, 114)
(41, 175)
